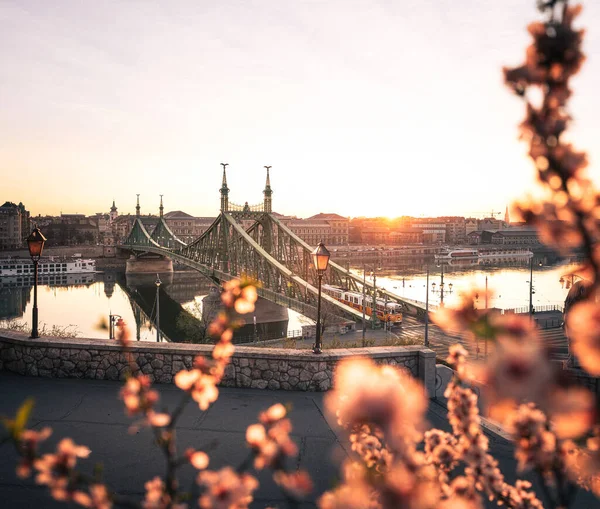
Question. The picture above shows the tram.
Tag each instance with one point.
(390, 312)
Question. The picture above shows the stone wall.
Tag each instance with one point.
(260, 368)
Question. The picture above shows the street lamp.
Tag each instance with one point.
(441, 289)
(157, 283)
(35, 243)
(568, 280)
(531, 290)
(320, 260)
(112, 321)
(374, 299)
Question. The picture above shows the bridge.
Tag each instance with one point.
(267, 251)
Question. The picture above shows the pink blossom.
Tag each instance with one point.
(225, 489)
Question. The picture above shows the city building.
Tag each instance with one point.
(331, 229)
(113, 212)
(456, 232)
(507, 236)
(375, 235)
(14, 225)
(433, 232)
(516, 236)
(471, 225)
(405, 236)
(72, 229)
(186, 227)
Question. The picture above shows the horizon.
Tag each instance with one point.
(375, 111)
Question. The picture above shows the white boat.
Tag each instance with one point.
(458, 254)
(26, 281)
(502, 254)
(47, 266)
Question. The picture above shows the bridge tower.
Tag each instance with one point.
(137, 207)
(224, 191)
(268, 193)
(161, 208)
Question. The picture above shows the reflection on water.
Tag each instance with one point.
(83, 301)
(509, 283)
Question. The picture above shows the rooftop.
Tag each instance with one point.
(321, 215)
(178, 214)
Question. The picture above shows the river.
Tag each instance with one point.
(85, 302)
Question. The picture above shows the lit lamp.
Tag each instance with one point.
(35, 243)
(320, 260)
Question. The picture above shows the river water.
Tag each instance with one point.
(85, 302)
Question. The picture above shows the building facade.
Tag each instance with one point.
(509, 236)
(186, 227)
(331, 229)
(14, 225)
(456, 230)
(433, 233)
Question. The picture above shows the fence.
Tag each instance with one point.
(537, 309)
(549, 323)
(291, 334)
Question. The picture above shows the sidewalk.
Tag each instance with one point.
(90, 412)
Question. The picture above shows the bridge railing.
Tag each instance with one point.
(269, 336)
(537, 309)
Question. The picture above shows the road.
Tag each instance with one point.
(412, 332)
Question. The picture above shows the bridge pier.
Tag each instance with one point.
(149, 265)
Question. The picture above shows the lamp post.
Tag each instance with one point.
(531, 286)
(531, 289)
(441, 290)
(35, 243)
(568, 280)
(426, 310)
(321, 260)
(158, 282)
(112, 320)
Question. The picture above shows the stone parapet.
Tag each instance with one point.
(260, 368)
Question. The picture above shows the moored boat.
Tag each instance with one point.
(47, 266)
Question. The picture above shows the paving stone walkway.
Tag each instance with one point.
(90, 412)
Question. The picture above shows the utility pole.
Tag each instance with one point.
(531, 286)
(486, 293)
(374, 301)
(385, 315)
(441, 287)
(364, 303)
(427, 310)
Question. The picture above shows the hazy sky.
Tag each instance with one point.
(362, 107)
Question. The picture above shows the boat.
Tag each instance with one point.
(26, 281)
(474, 256)
(47, 266)
(503, 254)
(457, 254)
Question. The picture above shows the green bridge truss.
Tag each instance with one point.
(268, 252)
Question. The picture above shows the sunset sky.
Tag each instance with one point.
(377, 108)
